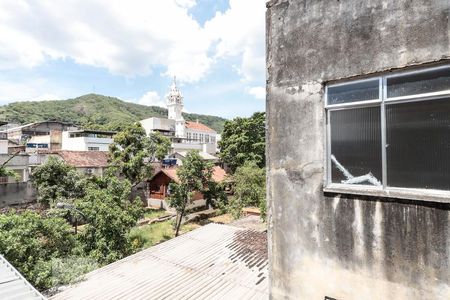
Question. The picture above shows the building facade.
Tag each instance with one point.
(358, 111)
(185, 135)
(87, 140)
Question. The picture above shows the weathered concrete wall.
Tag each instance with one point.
(16, 193)
(341, 246)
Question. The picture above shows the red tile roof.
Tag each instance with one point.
(218, 174)
(84, 159)
(198, 126)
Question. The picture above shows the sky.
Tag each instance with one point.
(132, 49)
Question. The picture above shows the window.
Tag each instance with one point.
(390, 132)
(206, 138)
(93, 148)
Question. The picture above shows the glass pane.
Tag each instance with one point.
(352, 92)
(418, 144)
(419, 83)
(356, 146)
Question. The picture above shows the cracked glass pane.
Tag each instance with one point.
(352, 92)
(419, 83)
(356, 146)
(418, 144)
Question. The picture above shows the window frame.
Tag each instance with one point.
(383, 190)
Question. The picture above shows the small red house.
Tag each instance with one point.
(158, 187)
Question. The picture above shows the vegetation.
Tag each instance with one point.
(5, 172)
(243, 139)
(30, 243)
(56, 181)
(94, 111)
(110, 215)
(159, 145)
(195, 175)
(149, 235)
(128, 153)
(249, 189)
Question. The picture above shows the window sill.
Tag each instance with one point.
(401, 193)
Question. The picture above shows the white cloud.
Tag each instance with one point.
(240, 31)
(258, 92)
(151, 98)
(186, 3)
(44, 97)
(126, 37)
(32, 90)
(132, 37)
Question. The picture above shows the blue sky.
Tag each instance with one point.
(59, 49)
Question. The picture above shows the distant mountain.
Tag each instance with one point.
(94, 112)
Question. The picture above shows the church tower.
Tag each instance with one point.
(175, 108)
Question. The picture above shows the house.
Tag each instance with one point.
(159, 187)
(3, 140)
(87, 140)
(24, 133)
(212, 262)
(180, 155)
(358, 118)
(185, 135)
(85, 162)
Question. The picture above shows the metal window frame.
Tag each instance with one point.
(384, 190)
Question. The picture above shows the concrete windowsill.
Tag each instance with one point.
(401, 193)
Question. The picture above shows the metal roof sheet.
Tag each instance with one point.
(212, 262)
(13, 285)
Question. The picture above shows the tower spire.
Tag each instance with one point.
(175, 102)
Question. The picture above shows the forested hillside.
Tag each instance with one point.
(93, 111)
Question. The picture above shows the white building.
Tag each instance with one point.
(185, 135)
(86, 140)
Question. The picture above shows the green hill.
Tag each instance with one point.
(94, 112)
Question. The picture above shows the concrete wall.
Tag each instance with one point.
(16, 193)
(336, 245)
(3, 146)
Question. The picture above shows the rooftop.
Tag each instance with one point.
(212, 262)
(93, 131)
(198, 126)
(204, 155)
(34, 124)
(218, 173)
(13, 285)
(84, 159)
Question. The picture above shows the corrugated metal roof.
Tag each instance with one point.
(212, 262)
(13, 285)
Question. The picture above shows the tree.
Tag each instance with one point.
(243, 139)
(56, 181)
(128, 153)
(159, 145)
(5, 172)
(30, 242)
(249, 189)
(194, 176)
(110, 216)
